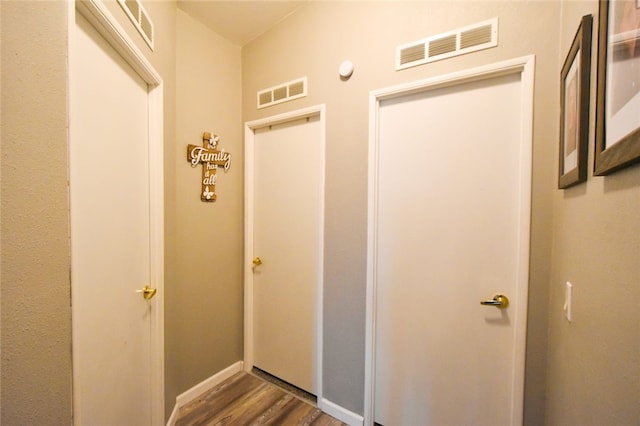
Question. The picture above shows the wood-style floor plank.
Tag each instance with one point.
(247, 400)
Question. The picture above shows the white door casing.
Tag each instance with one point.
(284, 205)
(435, 224)
(115, 99)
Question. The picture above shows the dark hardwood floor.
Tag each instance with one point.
(248, 400)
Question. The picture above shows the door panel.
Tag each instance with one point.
(109, 197)
(288, 182)
(448, 237)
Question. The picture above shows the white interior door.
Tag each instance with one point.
(288, 181)
(110, 234)
(451, 230)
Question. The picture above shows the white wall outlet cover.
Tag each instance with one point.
(346, 69)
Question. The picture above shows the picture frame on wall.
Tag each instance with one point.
(575, 82)
(617, 141)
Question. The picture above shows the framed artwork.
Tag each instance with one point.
(575, 81)
(618, 102)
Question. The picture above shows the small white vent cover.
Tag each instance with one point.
(140, 19)
(482, 35)
(282, 93)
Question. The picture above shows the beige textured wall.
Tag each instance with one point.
(593, 376)
(204, 303)
(313, 42)
(36, 313)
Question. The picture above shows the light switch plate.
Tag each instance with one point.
(568, 289)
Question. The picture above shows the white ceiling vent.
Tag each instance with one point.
(482, 35)
(140, 19)
(283, 93)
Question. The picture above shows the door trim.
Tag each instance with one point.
(526, 67)
(249, 144)
(106, 24)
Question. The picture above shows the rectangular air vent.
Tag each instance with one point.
(282, 93)
(139, 18)
(472, 38)
(412, 53)
(444, 45)
(265, 98)
(296, 88)
(475, 37)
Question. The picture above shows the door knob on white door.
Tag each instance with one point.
(499, 301)
(147, 292)
(257, 261)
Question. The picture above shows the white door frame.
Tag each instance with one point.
(249, 147)
(525, 66)
(106, 24)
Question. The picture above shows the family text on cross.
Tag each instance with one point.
(210, 158)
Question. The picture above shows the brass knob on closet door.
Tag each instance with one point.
(499, 301)
(147, 292)
(257, 261)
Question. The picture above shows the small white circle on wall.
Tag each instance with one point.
(346, 69)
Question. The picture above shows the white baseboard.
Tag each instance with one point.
(191, 394)
(340, 413)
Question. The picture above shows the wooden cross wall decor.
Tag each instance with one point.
(210, 158)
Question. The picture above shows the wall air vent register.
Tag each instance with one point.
(139, 18)
(282, 93)
(472, 38)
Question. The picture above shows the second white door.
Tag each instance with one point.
(288, 181)
(451, 231)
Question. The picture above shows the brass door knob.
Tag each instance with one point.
(147, 292)
(499, 301)
(257, 261)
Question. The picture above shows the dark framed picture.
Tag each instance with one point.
(618, 102)
(575, 81)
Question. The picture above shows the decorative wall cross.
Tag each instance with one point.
(210, 158)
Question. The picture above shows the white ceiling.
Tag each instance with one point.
(239, 21)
